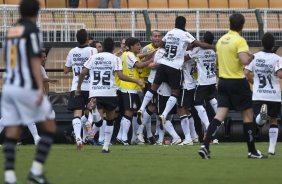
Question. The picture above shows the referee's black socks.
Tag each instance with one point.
(249, 136)
(211, 130)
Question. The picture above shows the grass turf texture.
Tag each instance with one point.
(152, 164)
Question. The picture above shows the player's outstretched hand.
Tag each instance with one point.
(77, 92)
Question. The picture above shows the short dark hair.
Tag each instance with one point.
(180, 22)
(108, 45)
(237, 21)
(46, 50)
(81, 36)
(29, 8)
(131, 41)
(93, 44)
(208, 37)
(268, 41)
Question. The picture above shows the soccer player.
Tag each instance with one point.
(75, 62)
(233, 88)
(265, 70)
(149, 74)
(131, 101)
(97, 45)
(206, 89)
(102, 68)
(176, 42)
(23, 99)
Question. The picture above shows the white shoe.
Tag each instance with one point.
(186, 143)
(215, 141)
(79, 144)
(176, 141)
(36, 140)
(158, 143)
(140, 138)
(195, 140)
(263, 115)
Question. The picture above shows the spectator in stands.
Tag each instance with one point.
(105, 3)
(73, 3)
(98, 45)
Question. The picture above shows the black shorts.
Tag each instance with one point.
(204, 92)
(186, 98)
(131, 101)
(234, 94)
(120, 103)
(107, 103)
(78, 102)
(162, 104)
(273, 108)
(171, 76)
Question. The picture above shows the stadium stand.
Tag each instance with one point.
(259, 3)
(158, 4)
(137, 4)
(178, 4)
(12, 1)
(275, 4)
(198, 4)
(92, 3)
(56, 4)
(218, 3)
(238, 4)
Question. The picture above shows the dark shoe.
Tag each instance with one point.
(125, 143)
(105, 151)
(37, 179)
(152, 140)
(257, 155)
(139, 117)
(204, 153)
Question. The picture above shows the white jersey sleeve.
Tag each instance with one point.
(278, 65)
(157, 59)
(188, 70)
(118, 64)
(130, 60)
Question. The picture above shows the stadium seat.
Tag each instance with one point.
(1, 1)
(82, 4)
(124, 4)
(56, 4)
(158, 4)
(218, 3)
(178, 4)
(238, 4)
(275, 4)
(42, 3)
(137, 4)
(92, 3)
(12, 1)
(198, 4)
(259, 3)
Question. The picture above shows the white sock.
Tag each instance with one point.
(108, 136)
(76, 123)
(185, 128)
(160, 132)
(140, 129)
(134, 128)
(102, 132)
(193, 132)
(90, 117)
(149, 129)
(213, 103)
(273, 135)
(157, 125)
(146, 118)
(125, 128)
(147, 98)
(95, 129)
(169, 105)
(119, 135)
(10, 176)
(36, 168)
(96, 116)
(259, 121)
(83, 120)
(33, 130)
(203, 115)
(170, 129)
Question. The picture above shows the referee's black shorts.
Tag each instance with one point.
(234, 94)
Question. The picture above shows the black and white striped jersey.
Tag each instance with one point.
(22, 43)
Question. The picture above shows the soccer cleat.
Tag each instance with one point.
(162, 121)
(186, 143)
(176, 141)
(139, 116)
(152, 140)
(118, 141)
(271, 154)
(36, 179)
(215, 141)
(79, 144)
(140, 138)
(204, 153)
(159, 143)
(105, 151)
(195, 140)
(125, 143)
(100, 143)
(263, 112)
(257, 155)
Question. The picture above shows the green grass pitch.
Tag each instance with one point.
(153, 165)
